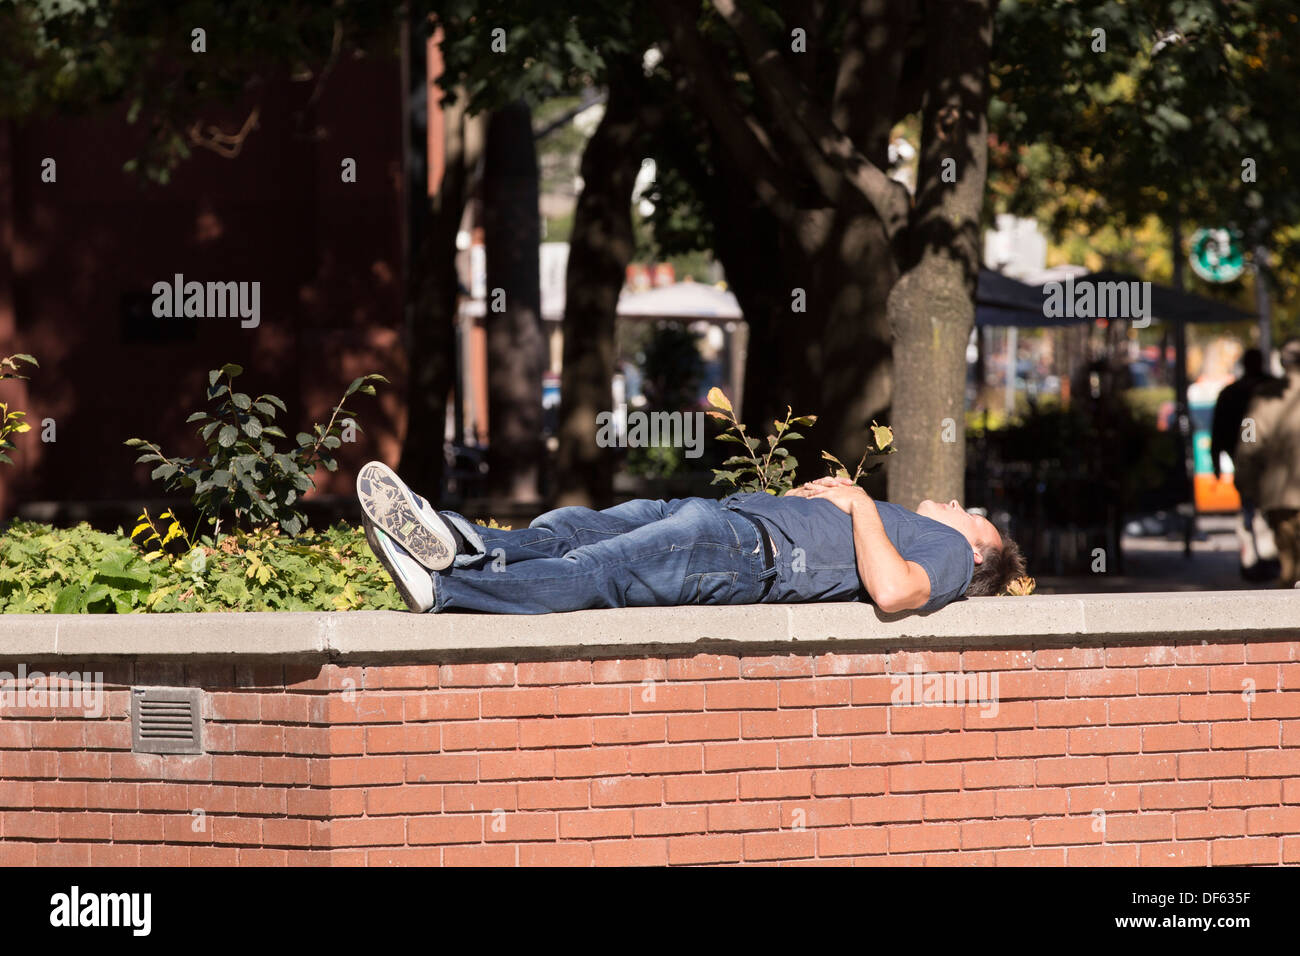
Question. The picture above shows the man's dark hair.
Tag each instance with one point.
(1252, 362)
(999, 568)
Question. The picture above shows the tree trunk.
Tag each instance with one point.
(433, 222)
(516, 347)
(599, 251)
(931, 308)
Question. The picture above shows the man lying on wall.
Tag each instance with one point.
(823, 541)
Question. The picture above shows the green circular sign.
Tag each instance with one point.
(1217, 255)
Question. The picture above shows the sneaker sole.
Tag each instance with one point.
(371, 539)
(387, 503)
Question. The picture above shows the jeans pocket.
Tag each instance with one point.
(712, 587)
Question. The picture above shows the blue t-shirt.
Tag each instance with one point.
(815, 559)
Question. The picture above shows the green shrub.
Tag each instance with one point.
(12, 423)
(81, 570)
(244, 471)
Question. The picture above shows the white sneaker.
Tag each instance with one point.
(414, 583)
(405, 517)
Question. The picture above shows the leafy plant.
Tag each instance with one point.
(12, 423)
(772, 471)
(882, 443)
(245, 472)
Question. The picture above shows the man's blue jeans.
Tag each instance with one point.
(637, 554)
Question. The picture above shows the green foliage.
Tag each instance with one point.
(12, 423)
(81, 570)
(771, 471)
(244, 471)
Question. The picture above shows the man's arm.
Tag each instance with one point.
(893, 583)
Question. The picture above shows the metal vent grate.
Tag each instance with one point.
(166, 721)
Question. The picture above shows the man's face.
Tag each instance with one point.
(979, 531)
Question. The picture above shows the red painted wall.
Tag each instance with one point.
(1150, 755)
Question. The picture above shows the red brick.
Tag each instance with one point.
(1030, 857)
(960, 746)
(596, 762)
(1180, 737)
(441, 705)
(1204, 653)
(741, 695)
(1277, 651)
(893, 809)
(1030, 802)
(1141, 656)
(1101, 683)
(442, 768)
(395, 856)
(838, 665)
(826, 752)
(364, 708)
(703, 727)
(593, 824)
(850, 781)
(887, 749)
(959, 806)
(778, 723)
(554, 672)
(665, 698)
(874, 690)
(442, 829)
(1246, 852)
(819, 692)
(922, 778)
(1196, 708)
(555, 732)
(994, 833)
(1209, 824)
(740, 756)
(1269, 820)
(1245, 734)
(404, 799)
(998, 716)
(630, 730)
(500, 826)
(703, 667)
(633, 671)
(682, 758)
(856, 841)
(1066, 657)
(403, 738)
(517, 701)
(518, 765)
(1142, 767)
(1243, 678)
(1032, 743)
(592, 700)
(552, 795)
(837, 721)
(401, 676)
(1105, 740)
(1139, 827)
(775, 784)
(1244, 793)
(1273, 763)
(627, 792)
(1277, 705)
(1174, 854)
(480, 855)
(1108, 798)
(982, 660)
(808, 814)
(1126, 855)
(555, 854)
(630, 852)
(722, 848)
(787, 665)
(662, 821)
(906, 662)
(500, 674)
(701, 788)
(1070, 770)
(143, 827)
(366, 771)
(1201, 766)
(910, 720)
(1032, 685)
(1067, 831)
(1173, 680)
(930, 836)
(1143, 710)
(985, 774)
(457, 735)
(786, 845)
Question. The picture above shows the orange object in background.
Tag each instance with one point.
(1216, 494)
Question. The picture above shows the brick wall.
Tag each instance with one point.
(1169, 754)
